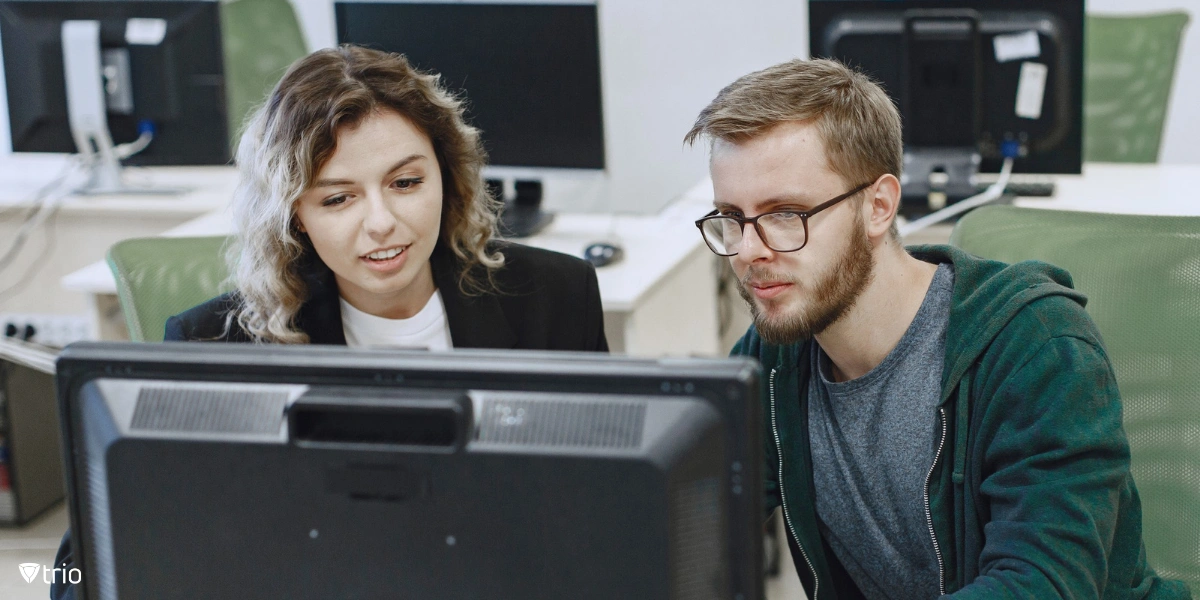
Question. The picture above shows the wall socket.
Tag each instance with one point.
(48, 329)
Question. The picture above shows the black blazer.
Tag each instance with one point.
(545, 301)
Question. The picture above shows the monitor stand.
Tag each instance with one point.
(88, 116)
(523, 216)
(937, 177)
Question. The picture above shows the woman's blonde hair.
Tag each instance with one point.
(289, 139)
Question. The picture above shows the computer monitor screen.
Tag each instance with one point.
(530, 72)
(1011, 73)
(227, 471)
(162, 64)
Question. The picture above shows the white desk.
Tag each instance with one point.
(659, 300)
(83, 228)
(1168, 190)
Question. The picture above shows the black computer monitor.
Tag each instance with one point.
(957, 85)
(231, 471)
(530, 71)
(162, 61)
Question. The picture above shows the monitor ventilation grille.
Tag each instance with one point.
(615, 425)
(696, 555)
(209, 411)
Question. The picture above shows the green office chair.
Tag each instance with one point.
(1129, 64)
(163, 276)
(261, 38)
(1142, 278)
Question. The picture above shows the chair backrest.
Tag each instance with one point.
(162, 276)
(1142, 278)
(1129, 65)
(260, 39)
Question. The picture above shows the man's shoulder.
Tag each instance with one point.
(1046, 318)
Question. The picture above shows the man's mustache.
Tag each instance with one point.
(760, 277)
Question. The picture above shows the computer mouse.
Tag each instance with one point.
(602, 254)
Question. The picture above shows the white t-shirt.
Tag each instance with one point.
(426, 329)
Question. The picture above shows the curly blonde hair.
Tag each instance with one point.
(289, 139)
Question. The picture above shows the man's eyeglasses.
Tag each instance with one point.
(780, 230)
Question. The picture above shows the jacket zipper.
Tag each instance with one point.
(783, 495)
(928, 514)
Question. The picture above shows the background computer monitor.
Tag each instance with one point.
(176, 81)
(229, 471)
(953, 95)
(530, 71)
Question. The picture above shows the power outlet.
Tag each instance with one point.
(48, 329)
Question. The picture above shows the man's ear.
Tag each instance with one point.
(881, 204)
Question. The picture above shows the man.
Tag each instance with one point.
(937, 424)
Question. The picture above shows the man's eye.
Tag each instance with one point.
(408, 183)
(335, 200)
(732, 213)
(786, 216)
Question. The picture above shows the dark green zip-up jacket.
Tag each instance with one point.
(1030, 494)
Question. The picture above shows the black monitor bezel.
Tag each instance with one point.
(1067, 158)
(197, 111)
(731, 386)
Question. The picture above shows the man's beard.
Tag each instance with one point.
(831, 297)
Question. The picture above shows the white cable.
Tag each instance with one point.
(47, 200)
(991, 194)
(124, 151)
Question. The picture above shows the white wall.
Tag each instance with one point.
(1183, 115)
(663, 61)
(317, 21)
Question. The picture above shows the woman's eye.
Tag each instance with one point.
(408, 183)
(334, 201)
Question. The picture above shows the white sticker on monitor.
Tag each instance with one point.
(1031, 90)
(1017, 46)
(145, 32)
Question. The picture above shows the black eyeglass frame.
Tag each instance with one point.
(803, 214)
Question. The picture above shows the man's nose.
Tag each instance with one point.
(752, 247)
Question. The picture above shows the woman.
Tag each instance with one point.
(363, 219)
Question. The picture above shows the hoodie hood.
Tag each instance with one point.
(992, 288)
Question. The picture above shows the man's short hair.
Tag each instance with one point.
(856, 119)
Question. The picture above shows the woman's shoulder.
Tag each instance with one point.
(206, 321)
(522, 263)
